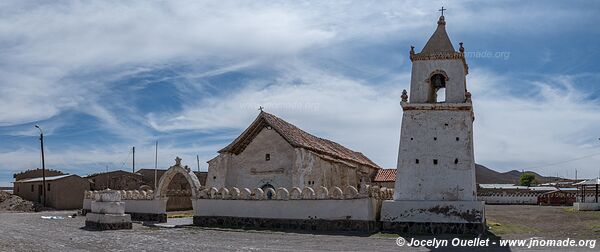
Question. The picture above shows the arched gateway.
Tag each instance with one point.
(165, 180)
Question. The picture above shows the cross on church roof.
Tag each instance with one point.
(260, 108)
(442, 10)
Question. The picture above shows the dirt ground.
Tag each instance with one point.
(33, 232)
(550, 222)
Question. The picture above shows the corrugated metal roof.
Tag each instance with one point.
(595, 181)
(501, 186)
(47, 178)
(543, 188)
(385, 175)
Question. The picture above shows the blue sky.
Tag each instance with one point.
(100, 77)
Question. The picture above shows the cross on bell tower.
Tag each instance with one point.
(442, 10)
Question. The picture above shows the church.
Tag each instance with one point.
(273, 153)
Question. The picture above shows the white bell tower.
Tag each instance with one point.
(435, 187)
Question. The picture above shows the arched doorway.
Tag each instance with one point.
(179, 174)
(267, 186)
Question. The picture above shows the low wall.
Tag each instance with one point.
(509, 199)
(320, 209)
(589, 198)
(364, 209)
(141, 206)
(581, 206)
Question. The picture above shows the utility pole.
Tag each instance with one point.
(43, 166)
(198, 160)
(133, 160)
(108, 180)
(155, 165)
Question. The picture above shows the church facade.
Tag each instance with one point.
(273, 153)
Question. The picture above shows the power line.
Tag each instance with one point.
(564, 161)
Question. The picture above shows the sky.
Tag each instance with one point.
(102, 76)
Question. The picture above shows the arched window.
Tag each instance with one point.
(437, 91)
(438, 84)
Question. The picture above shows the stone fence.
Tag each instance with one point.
(295, 193)
(234, 193)
(125, 195)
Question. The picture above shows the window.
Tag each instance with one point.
(435, 161)
(457, 138)
(267, 157)
(417, 161)
(214, 177)
(31, 188)
(456, 161)
(435, 139)
(48, 187)
(411, 139)
(437, 83)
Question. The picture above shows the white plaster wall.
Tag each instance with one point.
(155, 206)
(588, 198)
(455, 85)
(353, 209)
(578, 206)
(510, 200)
(431, 134)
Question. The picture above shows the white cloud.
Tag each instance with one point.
(93, 160)
(555, 123)
(48, 48)
(63, 56)
(551, 123)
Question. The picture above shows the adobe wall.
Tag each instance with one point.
(250, 169)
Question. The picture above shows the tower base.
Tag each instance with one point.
(433, 217)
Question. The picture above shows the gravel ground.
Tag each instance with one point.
(29, 232)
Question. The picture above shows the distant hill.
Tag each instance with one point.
(486, 175)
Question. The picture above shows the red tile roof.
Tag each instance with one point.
(385, 175)
(297, 138)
